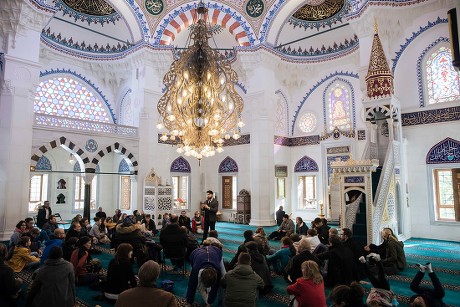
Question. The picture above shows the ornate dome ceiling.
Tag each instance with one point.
(311, 30)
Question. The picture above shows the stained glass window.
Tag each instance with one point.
(442, 80)
(63, 96)
(307, 122)
(339, 107)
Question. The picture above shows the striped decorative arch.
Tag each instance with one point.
(219, 14)
(370, 113)
(53, 144)
(117, 147)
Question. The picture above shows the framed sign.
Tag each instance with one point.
(281, 171)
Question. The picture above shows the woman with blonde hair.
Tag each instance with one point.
(308, 290)
(394, 259)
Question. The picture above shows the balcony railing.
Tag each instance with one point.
(65, 123)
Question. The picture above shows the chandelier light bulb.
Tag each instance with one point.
(236, 136)
(164, 137)
(160, 126)
(171, 118)
(219, 149)
(240, 124)
(227, 136)
(199, 156)
(179, 150)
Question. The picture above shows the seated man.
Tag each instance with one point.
(147, 292)
(294, 268)
(96, 232)
(174, 241)
(286, 228)
(248, 237)
(206, 274)
(149, 225)
(184, 220)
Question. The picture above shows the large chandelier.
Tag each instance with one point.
(200, 107)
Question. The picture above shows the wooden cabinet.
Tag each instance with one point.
(243, 207)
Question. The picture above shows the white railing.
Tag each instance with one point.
(381, 194)
(44, 120)
(351, 210)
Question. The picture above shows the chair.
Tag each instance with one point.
(232, 218)
(58, 216)
(182, 258)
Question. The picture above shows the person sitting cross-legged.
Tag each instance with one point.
(293, 269)
(120, 275)
(58, 236)
(286, 228)
(81, 260)
(280, 259)
(241, 284)
(22, 259)
(53, 283)
(174, 242)
(146, 293)
(308, 289)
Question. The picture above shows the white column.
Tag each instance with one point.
(17, 91)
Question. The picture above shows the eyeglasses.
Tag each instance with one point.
(23, 225)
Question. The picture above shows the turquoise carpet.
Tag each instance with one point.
(444, 256)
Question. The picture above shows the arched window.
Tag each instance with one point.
(338, 106)
(442, 81)
(228, 171)
(307, 172)
(66, 97)
(180, 182)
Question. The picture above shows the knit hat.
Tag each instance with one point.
(129, 220)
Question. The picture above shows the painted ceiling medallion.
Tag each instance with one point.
(91, 145)
(154, 7)
(316, 10)
(90, 7)
(255, 8)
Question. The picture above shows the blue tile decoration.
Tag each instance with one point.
(361, 135)
(228, 165)
(341, 47)
(296, 141)
(43, 164)
(91, 145)
(269, 17)
(87, 82)
(330, 159)
(430, 116)
(337, 150)
(397, 171)
(123, 167)
(306, 164)
(446, 151)
(354, 179)
(409, 40)
(420, 71)
(180, 165)
(319, 83)
(255, 8)
(357, 7)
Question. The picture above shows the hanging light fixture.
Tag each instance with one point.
(71, 159)
(200, 106)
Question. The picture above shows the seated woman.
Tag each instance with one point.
(110, 226)
(308, 290)
(426, 296)
(81, 260)
(21, 228)
(280, 259)
(21, 258)
(166, 220)
(150, 229)
(120, 275)
(197, 223)
(130, 232)
(394, 259)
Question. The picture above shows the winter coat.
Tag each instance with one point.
(131, 234)
(241, 285)
(307, 293)
(48, 245)
(394, 254)
(9, 286)
(79, 265)
(280, 259)
(54, 285)
(259, 265)
(21, 256)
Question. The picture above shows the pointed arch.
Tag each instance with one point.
(117, 148)
(228, 165)
(180, 165)
(306, 164)
(446, 151)
(53, 144)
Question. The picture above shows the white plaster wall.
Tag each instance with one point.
(420, 139)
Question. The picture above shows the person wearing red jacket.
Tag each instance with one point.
(308, 290)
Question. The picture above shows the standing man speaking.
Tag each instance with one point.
(210, 210)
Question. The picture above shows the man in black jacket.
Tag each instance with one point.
(44, 213)
(174, 241)
(210, 213)
(184, 220)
